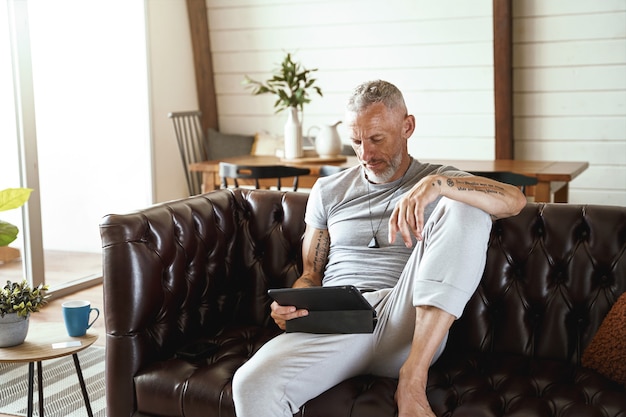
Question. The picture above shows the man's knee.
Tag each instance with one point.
(247, 380)
(461, 218)
(246, 389)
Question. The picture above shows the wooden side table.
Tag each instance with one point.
(38, 347)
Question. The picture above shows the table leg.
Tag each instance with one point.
(31, 383)
(208, 182)
(542, 192)
(562, 194)
(83, 388)
(40, 387)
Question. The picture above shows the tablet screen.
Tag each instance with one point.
(345, 297)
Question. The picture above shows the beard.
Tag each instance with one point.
(387, 173)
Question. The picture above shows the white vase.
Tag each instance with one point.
(293, 134)
(13, 329)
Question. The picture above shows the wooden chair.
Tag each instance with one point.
(519, 180)
(257, 172)
(191, 145)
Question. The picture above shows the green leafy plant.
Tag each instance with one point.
(18, 297)
(11, 198)
(291, 84)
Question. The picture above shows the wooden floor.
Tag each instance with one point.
(61, 267)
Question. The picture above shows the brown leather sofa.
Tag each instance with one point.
(199, 268)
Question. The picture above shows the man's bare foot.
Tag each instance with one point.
(412, 401)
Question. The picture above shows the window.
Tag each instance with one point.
(92, 153)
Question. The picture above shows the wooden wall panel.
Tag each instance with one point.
(438, 53)
(201, 45)
(503, 78)
(568, 60)
(570, 90)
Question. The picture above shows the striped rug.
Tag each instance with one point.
(62, 394)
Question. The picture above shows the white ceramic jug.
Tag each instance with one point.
(327, 142)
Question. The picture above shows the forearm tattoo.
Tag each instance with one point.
(308, 282)
(322, 246)
(462, 184)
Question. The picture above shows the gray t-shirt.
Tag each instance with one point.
(353, 210)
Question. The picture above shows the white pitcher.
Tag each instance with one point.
(327, 142)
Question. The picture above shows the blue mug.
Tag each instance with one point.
(76, 316)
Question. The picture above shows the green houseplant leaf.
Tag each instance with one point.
(8, 233)
(291, 84)
(20, 298)
(11, 198)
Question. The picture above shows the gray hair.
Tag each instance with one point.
(377, 91)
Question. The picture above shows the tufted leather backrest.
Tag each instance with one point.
(191, 266)
(268, 249)
(553, 272)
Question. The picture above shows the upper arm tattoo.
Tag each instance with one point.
(321, 249)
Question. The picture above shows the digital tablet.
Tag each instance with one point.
(338, 309)
(346, 297)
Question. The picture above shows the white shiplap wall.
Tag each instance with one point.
(569, 74)
(570, 90)
(439, 53)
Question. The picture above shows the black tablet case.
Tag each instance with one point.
(339, 309)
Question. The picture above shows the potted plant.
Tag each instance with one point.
(292, 85)
(20, 299)
(17, 300)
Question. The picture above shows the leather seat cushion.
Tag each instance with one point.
(504, 384)
(176, 387)
(466, 385)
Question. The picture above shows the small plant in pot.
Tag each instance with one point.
(292, 85)
(20, 299)
(17, 299)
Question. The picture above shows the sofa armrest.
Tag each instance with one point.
(163, 267)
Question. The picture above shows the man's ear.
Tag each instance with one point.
(408, 126)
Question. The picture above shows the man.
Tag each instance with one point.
(418, 283)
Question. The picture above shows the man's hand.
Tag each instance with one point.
(281, 314)
(408, 215)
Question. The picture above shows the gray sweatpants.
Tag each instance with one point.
(443, 271)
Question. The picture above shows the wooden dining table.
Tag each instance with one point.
(553, 177)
